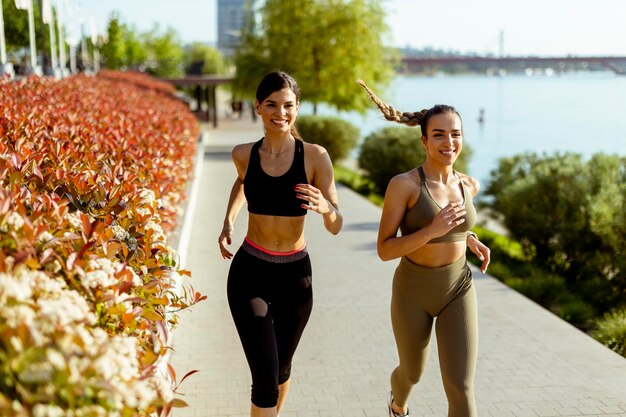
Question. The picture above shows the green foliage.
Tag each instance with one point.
(16, 29)
(611, 330)
(160, 53)
(136, 53)
(544, 288)
(211, 58)
(15, 26)
(166, 52)
(114, 50)
(551, 189)
(396, 149)
(503, 244)
(571, 216)
(338, 136)
(389, 152)
(575, 311)
(358, 183)
(497, 268)
(325, 44)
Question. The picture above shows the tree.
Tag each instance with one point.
(165, 52)
(160, 53)
(210, 58)
(114, 50)
(16, 28)
(571, 216)
(136, 54)
(325, 44)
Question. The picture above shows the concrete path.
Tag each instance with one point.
(531, 363)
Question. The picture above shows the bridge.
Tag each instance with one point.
(616, 64)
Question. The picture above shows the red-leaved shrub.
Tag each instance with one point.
(92, 176)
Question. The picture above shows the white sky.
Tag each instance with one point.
(531, 27)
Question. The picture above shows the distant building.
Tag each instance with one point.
(230, 19)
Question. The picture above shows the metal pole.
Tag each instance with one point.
(53, 55)
(61, 38)
(96, 59)
(214, 104)
(3, 48)
(31, 32)
(72, 58)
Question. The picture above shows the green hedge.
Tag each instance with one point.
(395, 149)
(338, 136)
(569, 214)
(611, 330)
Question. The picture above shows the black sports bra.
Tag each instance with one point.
(275, 196)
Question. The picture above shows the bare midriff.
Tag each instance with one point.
(276, 233)
(435, 255)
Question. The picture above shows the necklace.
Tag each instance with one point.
(276, 153)
(280, 152)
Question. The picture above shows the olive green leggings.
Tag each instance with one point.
(419, 295)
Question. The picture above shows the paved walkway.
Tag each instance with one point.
(530, 362)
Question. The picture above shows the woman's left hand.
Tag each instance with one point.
(316, 200)
(481, 251)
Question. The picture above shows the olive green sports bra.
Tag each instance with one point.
(426, 208)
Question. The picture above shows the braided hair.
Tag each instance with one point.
(408, 118)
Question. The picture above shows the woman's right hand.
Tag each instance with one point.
(225, 239)
(448, 218)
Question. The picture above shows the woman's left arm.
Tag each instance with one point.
(477, 247)
(321, 194)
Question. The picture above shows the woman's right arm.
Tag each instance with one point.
(235, 202)
(390, 245)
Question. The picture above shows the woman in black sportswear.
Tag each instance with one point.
(269, 284)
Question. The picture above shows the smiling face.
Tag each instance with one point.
(444, 138)
(278, 111)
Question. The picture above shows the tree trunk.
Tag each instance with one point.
(315, 108)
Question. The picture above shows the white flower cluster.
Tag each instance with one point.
(56, 307)
(48, 410)
(14, 221)
(143, 212)
(45, 237)
(132, 244)
(119, 233)
(102, 273)
(59, 323)
(98, 278)
(158, 236)
(148, 198)
(63, 309)
(74, 220)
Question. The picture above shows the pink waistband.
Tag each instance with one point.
(269, 252)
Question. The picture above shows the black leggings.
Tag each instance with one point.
(270, 298)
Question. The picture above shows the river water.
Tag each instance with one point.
(575, 112)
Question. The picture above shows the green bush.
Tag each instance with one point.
(569, 215)
(496, 268)
(503, 245)
(354, 180)
(388, 152)
(611, 330)
(575, 311)
(545, 289)
(395, 149)
(338, 136)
